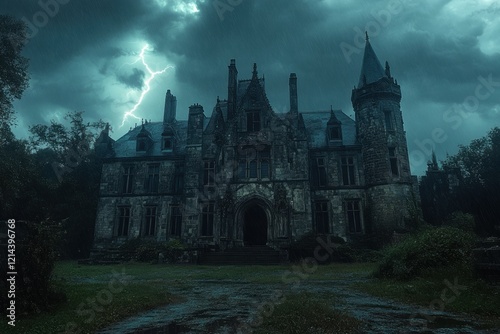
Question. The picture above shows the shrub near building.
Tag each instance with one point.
(428, 250)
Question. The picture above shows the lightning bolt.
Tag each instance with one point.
(147, 87)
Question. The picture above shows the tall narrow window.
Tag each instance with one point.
(253, 121)
(127, 179)
(150, 221)
(393, 159)
(321, 219)
(209, 173)
(264, 158)
(254, 164)
(123, 221)
(348, 176)
(321, 172)
(178, 183)
(175, 220)
(388, 120)
(207, 220)
(353, 216)
(152, 179)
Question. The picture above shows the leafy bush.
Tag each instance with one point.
(36, 255)
(432, 248)
(148, 250)
(461, 220)
(342, 252)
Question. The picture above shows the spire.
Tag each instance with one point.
(254, 73)
(333, 118)
(387, 69)
(434, 160)
(371, 70)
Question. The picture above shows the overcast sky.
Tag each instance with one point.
(85, 55)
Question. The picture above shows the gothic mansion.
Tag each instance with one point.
(249, 176)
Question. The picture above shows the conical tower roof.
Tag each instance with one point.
(371, 70)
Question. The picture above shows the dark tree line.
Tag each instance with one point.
(53, 176)
(54, 211)
(469, 181)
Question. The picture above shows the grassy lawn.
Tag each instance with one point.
(450, 290)
(91, 306)
(72, 272)
(101, 295)
(306, 313)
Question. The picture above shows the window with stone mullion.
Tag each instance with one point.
(150, 226)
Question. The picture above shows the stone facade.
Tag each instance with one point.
(247, 175)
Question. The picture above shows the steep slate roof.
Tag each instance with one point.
(243, 87)
(316, 122)
(125, 147)
(371, 69)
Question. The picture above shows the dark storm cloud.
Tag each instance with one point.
(76, 28)
(133, 80)
(434, 49)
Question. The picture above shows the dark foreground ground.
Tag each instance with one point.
(144, 298)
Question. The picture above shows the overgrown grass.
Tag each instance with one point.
(78, 314)
(472, 296)
(429, 249)
(305, 313)
(71, 271)
(434, 267)
(146, 288)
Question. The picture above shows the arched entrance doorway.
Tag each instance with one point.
(254, 226)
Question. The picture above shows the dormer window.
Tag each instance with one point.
(141, 145)
(143, 140)
(334, 130)
(167, 144)
(335, 133)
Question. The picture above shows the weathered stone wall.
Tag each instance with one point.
(388, 206)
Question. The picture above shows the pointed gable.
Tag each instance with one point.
(371, 70)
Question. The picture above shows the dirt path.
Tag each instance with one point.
(224, 306)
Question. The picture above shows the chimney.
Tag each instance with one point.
(231, 88)
(195, 124)
(293, 93)
(170, 108)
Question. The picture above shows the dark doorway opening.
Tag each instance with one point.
(255, 226)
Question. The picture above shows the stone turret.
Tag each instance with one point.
(376, 102)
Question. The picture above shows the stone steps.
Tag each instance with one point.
(250, 255)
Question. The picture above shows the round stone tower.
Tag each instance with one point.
(379, 121)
